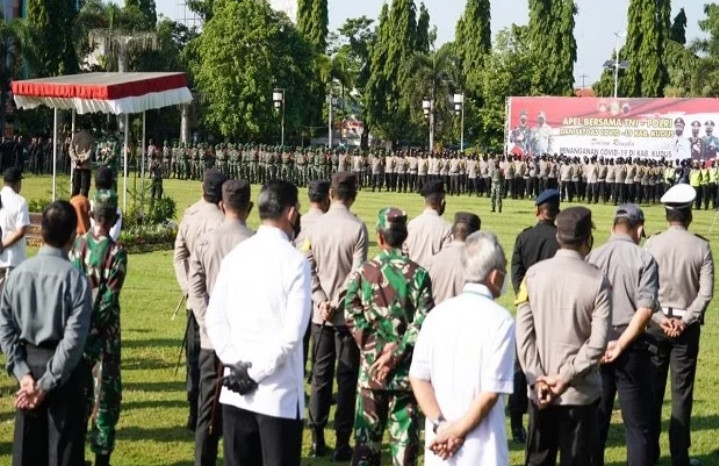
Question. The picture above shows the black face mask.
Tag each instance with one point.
(297, 226)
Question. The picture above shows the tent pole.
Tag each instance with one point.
(127, 148)
(72, 134)
(54, 155)
(142, 170)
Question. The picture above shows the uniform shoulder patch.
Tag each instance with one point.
(522, 295)
(306, 246)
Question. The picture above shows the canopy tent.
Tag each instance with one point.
(115, 93)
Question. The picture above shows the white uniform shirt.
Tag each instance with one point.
(13, 216)
(258, 313)
(466, 346)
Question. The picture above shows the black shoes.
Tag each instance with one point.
(318, 448)
(343, 453)
(102, 460)
(519, 435)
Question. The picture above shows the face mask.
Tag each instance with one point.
(505, 286)
(679, 132)
(297, 226)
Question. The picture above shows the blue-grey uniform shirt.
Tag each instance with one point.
(46, 302)
(633, 273)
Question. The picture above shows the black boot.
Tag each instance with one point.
(102, 460)
(319, 448)
(343, 451)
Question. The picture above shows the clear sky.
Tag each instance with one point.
(597, 21)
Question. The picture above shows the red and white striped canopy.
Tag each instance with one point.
(117, 93)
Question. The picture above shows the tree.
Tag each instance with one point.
(503, 75)
(678, 31)
(146, 8)
(238, 68)
(18, 45)
(312, 20)
(551, 35)
(423, 39)
(473, 40)
(52, 21)
(388, 103)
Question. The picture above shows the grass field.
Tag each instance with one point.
(151, 429)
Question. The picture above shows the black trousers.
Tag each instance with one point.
(518, 400)
(454, 184)
(630, 375)
(679, 355)
(330, 344)
(192, 361)
(377, 181)
(80, 182)
(252, 439)
(209, 410)
(52, 434)
(571, 431)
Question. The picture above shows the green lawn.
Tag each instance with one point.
(154, 412)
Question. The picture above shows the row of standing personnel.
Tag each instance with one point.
(335, 243)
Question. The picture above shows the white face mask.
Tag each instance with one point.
(505, 286)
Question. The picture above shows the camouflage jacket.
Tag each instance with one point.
(386, 303)
(104, 262)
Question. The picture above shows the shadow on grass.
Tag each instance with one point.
(154, 386)
(158, 434)
(153, 343)
(130, 364)
(154, 404)
(709, 459)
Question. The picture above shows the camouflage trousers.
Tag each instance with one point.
(104, 397)
(377, 409)
(496, 194)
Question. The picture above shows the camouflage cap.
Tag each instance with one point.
(105, 199)
(391, 218)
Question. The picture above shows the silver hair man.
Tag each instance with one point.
(481, 254)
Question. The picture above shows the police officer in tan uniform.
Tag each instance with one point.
(445, 268)
(337, 247)
(626, 368)
(198, 219)
(562, 329)
(204, 267)
(319, 194)
(429, 233)
(686, 287)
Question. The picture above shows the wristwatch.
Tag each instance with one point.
(437, 422)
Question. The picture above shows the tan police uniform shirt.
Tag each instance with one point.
(446, 273)
(686, 272)
(336, 247)
(427, 235)
(205, 263)
(81, 148)
(563, 324)
(307, 223)
(198, 219)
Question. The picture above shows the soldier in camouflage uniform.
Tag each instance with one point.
(497, 187)
(221, 159)
(166, 159)
(156, 172)
(105, 264)
(386, 303)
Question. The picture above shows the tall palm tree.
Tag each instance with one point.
(18, 46)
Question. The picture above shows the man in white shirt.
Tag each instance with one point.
(14, 223)
(256, 318)
(464, 361)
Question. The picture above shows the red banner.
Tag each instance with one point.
(605, 127)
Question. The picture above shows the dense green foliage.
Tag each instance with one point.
(553, 45)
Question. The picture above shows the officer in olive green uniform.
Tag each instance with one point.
(686, 287)
(387, 301)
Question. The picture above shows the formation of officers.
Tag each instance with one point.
(392, 330)
(587, 179)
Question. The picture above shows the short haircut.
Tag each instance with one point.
(394, 237)
(629, 223)
(345, 192)
(236, 195)
(434, 199)
(679, 215)
(59, 221)
(104, 178)
(105, 216)
(481, 254)
(550, 209)
(275, 197)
